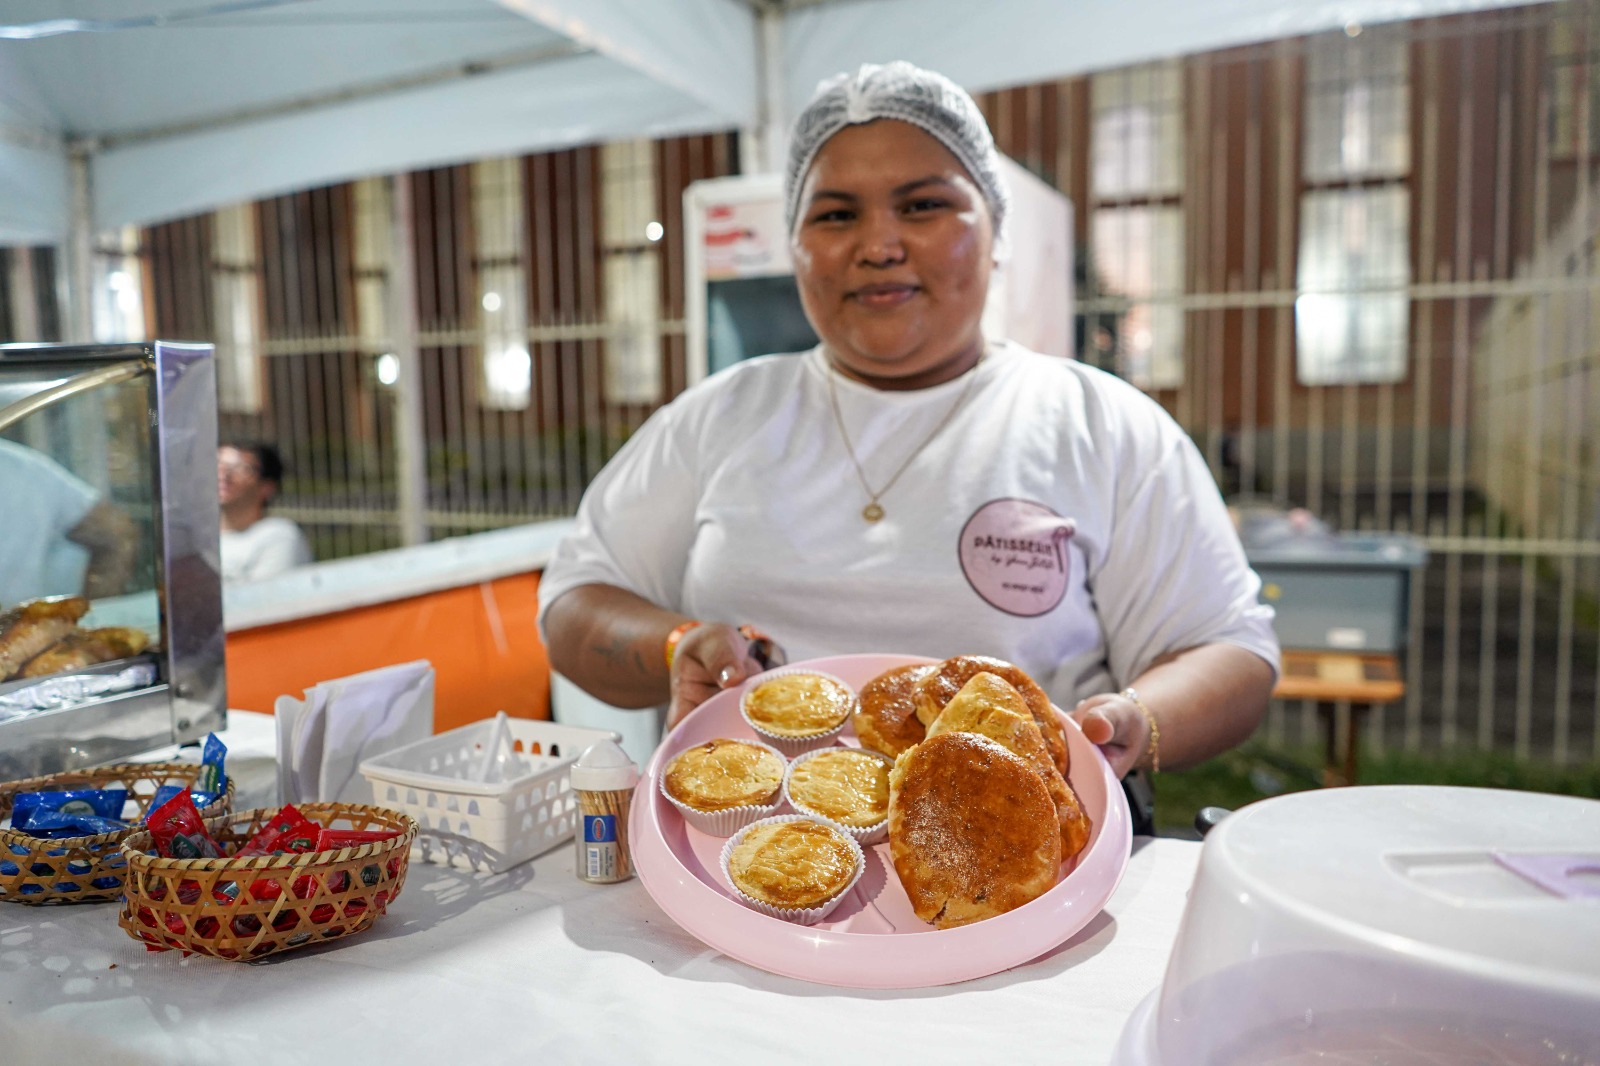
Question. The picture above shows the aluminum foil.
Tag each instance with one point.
(53, 693)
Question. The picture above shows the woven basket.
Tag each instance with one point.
(245, 908)
(83, 869)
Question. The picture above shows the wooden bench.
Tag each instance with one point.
(1340, 679)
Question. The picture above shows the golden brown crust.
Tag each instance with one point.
(86, 647)
(723, 773)
(792, 865)
(847, 785)
(972, 830)
(941, 686)
(799, 705)
(989, 706)
(29, 628)
(887, 719)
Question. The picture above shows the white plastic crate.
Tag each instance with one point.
(480, 808)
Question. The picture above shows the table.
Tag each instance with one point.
(1338, 680)
(535, 966)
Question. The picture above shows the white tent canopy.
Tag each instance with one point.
(142, 110)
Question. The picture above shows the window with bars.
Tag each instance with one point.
(1574, 88)
(1352, 311)
(1137, 224)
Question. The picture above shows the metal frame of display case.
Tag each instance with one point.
(189, 696)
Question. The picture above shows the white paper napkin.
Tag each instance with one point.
(323, 738)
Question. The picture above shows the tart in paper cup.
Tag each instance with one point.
(728, 820)
(874, 833)
(798, 915)
(829, 698)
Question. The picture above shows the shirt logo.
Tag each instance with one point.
(1014, 554)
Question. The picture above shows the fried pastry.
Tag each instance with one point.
(30, 628)
(798, 705)
(792, 864)
(86, 647)
(887, 719)
(941, 686)
(990, 707)
(722, 773)
(847, 785)
(972, 829)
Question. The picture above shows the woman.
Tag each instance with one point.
(908, 486)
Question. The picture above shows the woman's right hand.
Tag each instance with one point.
(709, 658)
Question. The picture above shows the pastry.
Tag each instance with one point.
(972, 830)
(990, 707)
(847, 785)
(795, 705)
(86, 647)
(792, 864)
(886, 719)
(940, 687)
(722, 773)
(29, 628)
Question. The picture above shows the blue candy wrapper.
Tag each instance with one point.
(166, 792)
(69, 813)
(52, 825)
(212, 777)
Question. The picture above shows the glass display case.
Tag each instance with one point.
(111, 635)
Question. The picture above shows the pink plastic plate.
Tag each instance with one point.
(874, 939)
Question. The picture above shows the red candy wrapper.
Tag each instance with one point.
(287, 833)
(179, 832)
(331, 839)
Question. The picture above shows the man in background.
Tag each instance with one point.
(61, 537)
(255, 544)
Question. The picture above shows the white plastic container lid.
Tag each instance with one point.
(604, 767)
(1406, 924)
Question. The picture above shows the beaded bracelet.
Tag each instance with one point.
(674, 637)
(1154, 750)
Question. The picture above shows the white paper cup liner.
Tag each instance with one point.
(731, 819)
(864, 835)
(797, 915)
(792, 746)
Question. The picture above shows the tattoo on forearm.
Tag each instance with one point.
(620, 655)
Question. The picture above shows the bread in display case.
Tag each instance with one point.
(111, 635)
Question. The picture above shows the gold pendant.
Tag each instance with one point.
(872, 512)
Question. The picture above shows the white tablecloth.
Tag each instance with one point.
(534, 966)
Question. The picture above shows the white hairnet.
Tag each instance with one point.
(901, 91)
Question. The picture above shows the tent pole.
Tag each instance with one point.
(77, 323)
(410, 447)
(761, 149)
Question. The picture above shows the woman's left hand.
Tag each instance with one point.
(1116, 724)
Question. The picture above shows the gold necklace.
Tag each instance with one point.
(873, 511)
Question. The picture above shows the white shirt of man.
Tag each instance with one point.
(267, 548)
(48, 502)
(1059, 519)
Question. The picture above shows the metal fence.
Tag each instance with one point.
(1359, 269)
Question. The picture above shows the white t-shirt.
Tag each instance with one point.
(44, 502)
(269, 547)
(1060, 520)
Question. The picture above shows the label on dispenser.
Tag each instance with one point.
(600, 846)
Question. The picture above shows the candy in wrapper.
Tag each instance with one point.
(331, 839)
(53, 825)
(286, 833)
(212, 778)
(95, 802)
(166, 792)
(179, 833)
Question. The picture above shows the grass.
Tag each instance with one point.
(1256, 771)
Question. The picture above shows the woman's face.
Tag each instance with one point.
(892, 251)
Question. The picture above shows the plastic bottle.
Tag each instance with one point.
(602, 780)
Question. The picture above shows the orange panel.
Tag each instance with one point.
(480, 668)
